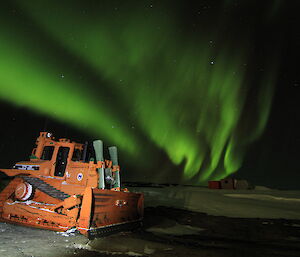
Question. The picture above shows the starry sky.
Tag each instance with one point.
(189, 91)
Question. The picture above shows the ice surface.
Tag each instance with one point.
(265, 203)
(20, 241)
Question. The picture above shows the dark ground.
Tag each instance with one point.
(221, 236)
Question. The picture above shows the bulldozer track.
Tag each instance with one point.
(45, 187)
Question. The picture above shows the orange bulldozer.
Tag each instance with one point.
(66, 185)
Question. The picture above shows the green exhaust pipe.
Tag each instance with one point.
(113, 152)
(98, 147)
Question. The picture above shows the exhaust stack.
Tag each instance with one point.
(113, 152)
(98, 147)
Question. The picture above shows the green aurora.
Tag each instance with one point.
(154, 89)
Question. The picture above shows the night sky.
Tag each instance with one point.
(188, 91)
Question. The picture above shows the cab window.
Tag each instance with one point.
(61, 161)
(76, 155)
(47, 153)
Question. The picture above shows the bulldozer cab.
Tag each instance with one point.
(59, 160)
(56, 155)
(75, 162)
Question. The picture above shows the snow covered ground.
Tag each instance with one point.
(258, 203)
(19, 241)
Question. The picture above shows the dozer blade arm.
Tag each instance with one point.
(85, 212)
(69, 207)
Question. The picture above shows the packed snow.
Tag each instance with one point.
(258, 203)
